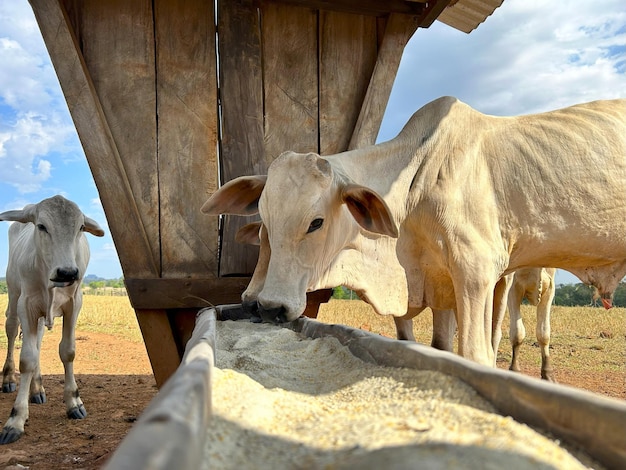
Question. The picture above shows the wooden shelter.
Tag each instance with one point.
(171, 98)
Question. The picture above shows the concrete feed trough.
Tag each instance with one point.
(329, 396)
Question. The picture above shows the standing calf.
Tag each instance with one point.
(48, 256)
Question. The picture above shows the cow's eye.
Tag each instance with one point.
(42, 228)
(315, 225)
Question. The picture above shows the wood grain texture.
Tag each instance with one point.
(134, 230)
(161, 344)
(398, 31)
(187, 136)
(184, 293)
(241, 97)
(289, 38)
(348, 50)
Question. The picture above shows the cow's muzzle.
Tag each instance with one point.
(251, 307)
(273, 315)
(64, 277)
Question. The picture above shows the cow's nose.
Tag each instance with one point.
(251, 307)
(273, 315)
(66, 275)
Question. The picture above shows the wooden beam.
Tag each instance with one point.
(432, 12)
(398, 31)
(129, 234)
(184, 293)
(361, 7)
(161, 345)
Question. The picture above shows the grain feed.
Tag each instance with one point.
(283, 401)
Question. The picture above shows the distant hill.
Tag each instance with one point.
(92, 278)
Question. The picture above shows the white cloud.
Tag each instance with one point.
(529, 56)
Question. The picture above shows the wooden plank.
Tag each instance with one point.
(348, 50)
(362, 7)
(289, 39)
(132, 229)
(184, 293)
(161, 344)
(241, 98)
(187, 136)
(398, 31)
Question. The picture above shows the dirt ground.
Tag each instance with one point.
(116, 383)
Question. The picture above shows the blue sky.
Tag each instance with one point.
(529, 56)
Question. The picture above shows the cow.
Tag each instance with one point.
(444, 322)
(437, 215)
(537, 286)
(48, 256)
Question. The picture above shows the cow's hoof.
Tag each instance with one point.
(78, 412)
(38, 398)
(9, 435)
(9, 387)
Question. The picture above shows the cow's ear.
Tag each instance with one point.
(21, 215)
(92, 227)
(249, 234)
(239, 197)
(369, 210)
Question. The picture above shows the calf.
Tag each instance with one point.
(48, 256)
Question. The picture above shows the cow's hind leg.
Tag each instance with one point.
(444, 329)
(67, 351)
(12, 324)
(404, 329)
(543, 331)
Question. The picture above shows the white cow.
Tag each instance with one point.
(469, 197)
(444, 322)
(537, 286)
(48, 256)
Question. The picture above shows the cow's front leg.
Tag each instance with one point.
(474, 317)
(11, 326)
(14, 426)
(67, 351)
(37, 390)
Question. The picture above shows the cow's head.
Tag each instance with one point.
(311, 213)
(58, 228)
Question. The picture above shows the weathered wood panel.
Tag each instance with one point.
(241, 98)
(117, 43)
(398, 31)
(289, 40)
(186, 135)
(348, 49)
(136, 250)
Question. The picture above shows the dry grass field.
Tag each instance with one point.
(588, 345)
